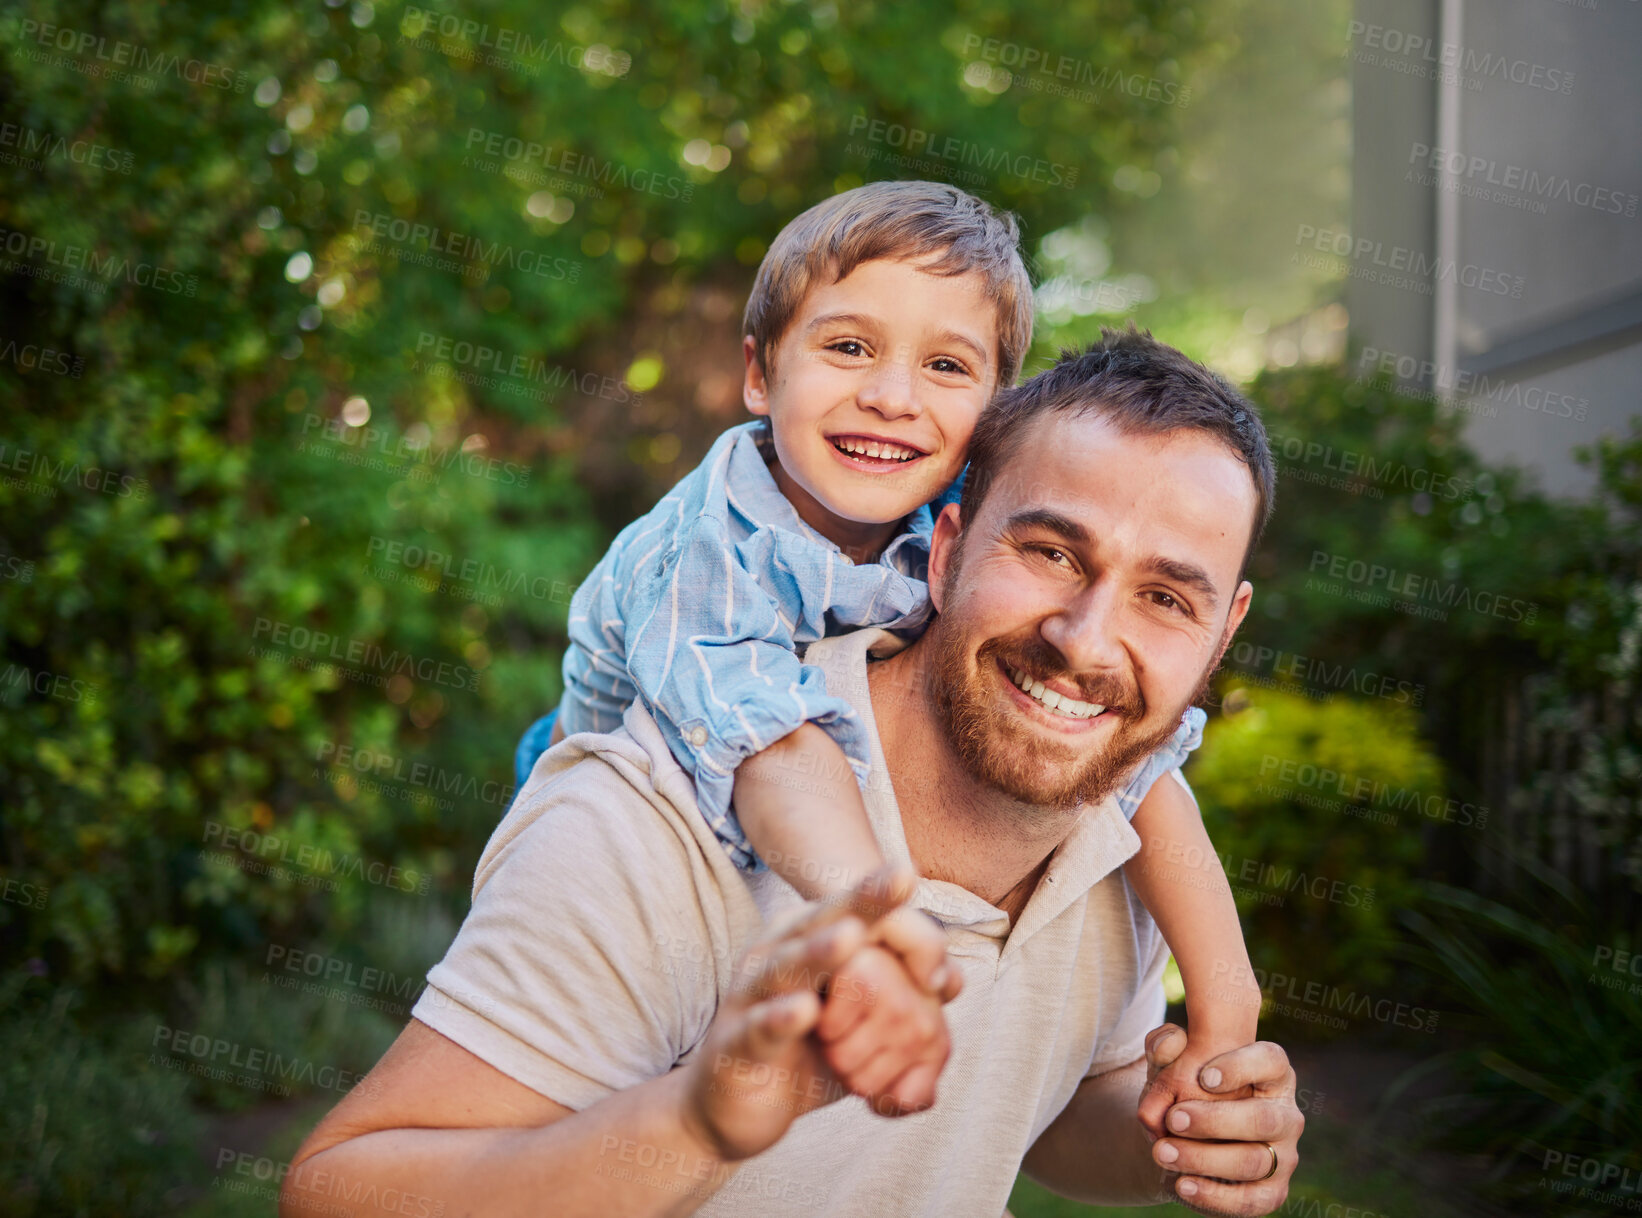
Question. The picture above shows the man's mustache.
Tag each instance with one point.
(1038, 659)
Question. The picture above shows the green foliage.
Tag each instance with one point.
(1552, 1060)
(87, 1129)
(1315, 807)
(672, 141)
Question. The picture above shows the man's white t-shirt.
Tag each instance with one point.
(606, 920)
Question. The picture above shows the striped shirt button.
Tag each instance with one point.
(698, 736)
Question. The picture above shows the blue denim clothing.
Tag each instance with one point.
(701, 608)
(531, 746)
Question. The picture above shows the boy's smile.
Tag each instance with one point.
(874, 391)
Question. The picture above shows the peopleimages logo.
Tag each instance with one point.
(915, 141)
(472, 256)
(1417, 588)
(1402, 266)
(1526, 189)
(527, 369)
(522, 155)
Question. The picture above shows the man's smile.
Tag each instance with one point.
(1050, 705)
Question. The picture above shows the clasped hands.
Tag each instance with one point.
(846, 999)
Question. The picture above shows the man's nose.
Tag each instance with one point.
(1087, 629)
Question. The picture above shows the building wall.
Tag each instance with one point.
(1518, 146)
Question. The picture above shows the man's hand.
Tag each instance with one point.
(1178, 1082)
(1219, 1146)
(760, 1068)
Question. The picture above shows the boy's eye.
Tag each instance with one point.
(847, 346)
(946, 363)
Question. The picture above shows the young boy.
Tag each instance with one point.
(880, 324)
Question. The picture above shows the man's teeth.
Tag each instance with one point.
(1059, 703)
(883, 451)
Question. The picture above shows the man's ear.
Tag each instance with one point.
(943, 547)
(1241, 600)
(755, 390)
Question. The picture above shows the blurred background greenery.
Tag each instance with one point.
(358, 467)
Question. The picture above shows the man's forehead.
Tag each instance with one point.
(1184, 489)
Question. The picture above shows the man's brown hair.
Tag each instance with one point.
(1141, 386)
(894, 220)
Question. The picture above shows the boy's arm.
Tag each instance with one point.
(802, 811)
(1179, 878)
(800, 807)
(711, 652)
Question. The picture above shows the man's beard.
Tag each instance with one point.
(1009, 756)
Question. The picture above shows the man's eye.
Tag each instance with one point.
(1168, 602)
(1057, 556)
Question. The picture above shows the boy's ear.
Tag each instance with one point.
(943, 547)
(755, 390)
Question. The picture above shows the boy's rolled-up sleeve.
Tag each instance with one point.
(711, 651)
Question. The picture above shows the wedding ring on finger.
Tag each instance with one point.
(1272, 1170)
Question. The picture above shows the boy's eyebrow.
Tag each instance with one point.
(835, 319)
(1176, 569)
(963, 340)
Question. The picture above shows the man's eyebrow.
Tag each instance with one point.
(1176, 569)
(1050, 521)
(1188, 573)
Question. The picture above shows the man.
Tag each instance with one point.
(616, 1031)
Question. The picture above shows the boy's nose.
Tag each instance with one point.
(890, 392)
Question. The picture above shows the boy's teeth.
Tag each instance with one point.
(876, 449)
(1060, 704)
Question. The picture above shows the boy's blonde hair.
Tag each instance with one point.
(894, 220)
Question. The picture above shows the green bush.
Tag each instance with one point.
(1550, 1063)
(1316, 808)
(85, 1128)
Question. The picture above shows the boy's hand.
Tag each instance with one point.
(1178, 1080)
(883, 1007)
(874, 1023)
(920, 941)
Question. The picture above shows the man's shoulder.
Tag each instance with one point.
(611, 798)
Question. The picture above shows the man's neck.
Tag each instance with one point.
(956, 829)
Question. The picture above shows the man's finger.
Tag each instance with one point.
(770, 1027)
(1256, 1120)
(885, 890)
(919, 940)
(1262, 1065)
(876, 895)
(1237, 1161)
(914, 1091)
(1214, 1197)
